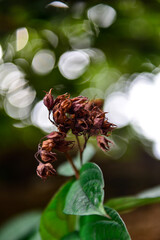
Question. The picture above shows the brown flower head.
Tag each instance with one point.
(81, 116)
(48, 100)
(45, 170)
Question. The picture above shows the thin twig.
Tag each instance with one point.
(72, 164)
(85, 141)
(80, 150)
(51, 119)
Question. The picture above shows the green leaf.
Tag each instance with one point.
(21, 226)
(54, 223)
(65, 169)
(86, 195)
(35, 236)
(102, 228)
(72, 236)
(129, 203)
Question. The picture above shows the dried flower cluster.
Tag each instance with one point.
(81, 116)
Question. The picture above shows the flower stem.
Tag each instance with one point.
(80, 150)
(72, 164)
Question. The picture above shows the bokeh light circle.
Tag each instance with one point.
(102, 15)
(43, 62)
(73, 64)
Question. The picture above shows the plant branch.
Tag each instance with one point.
(72, 164)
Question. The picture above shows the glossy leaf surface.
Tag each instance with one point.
(86, 195)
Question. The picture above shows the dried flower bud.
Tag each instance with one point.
(107, 127)
(48, 145)
(56, 136)
(78, 103)
(103, 143)
(59, 116)
(66, 105)
(48, 100)
(61, 98)
(45, 170)
(47, 156)
(81, 126)
(64, 146)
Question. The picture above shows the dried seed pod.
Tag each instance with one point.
(103, 143)
(44, 170)
(48, 100)
(64, 146)
(48, 145)
(47, 156)
(56, 136)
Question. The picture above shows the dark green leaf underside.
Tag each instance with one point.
(72, 236)
(102, 228)
(54, 223)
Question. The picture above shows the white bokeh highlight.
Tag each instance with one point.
(138, 106)
(73, 64)
(102, 15)
(58, 4)
(43, 62)
(39, 118)
(22, 37)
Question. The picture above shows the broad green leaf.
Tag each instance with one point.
(72, 236)
(102, 228)
(35, 236)
(20, 227)
(86, 195)
(65, 169)
(129, 203)
(54, 223)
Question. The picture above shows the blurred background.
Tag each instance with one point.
(99, 49)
